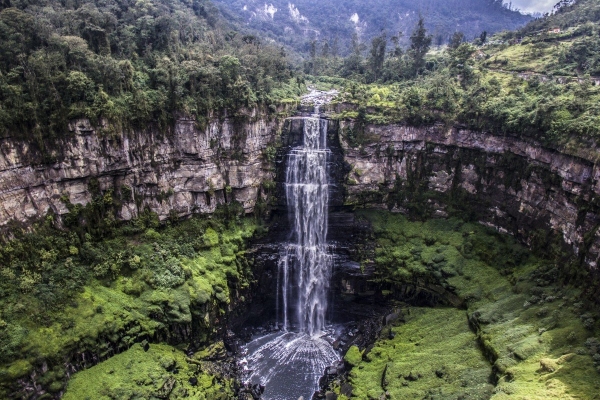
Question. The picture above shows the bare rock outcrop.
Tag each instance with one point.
(186, 171)
(517, 187)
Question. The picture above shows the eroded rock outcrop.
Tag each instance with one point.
(517, 187)
(189, 170)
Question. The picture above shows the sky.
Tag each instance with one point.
(529, 6)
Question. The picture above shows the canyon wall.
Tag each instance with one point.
(188, 170)
(517, 187)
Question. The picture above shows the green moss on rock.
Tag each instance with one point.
(160, 372)
(150, 283)
(530, 331)
(433, 355)
(353, 356)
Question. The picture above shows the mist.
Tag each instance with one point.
(533, 6)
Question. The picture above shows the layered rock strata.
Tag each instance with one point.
(517, 187)
(187, 171)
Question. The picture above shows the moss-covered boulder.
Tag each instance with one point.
(159, 372)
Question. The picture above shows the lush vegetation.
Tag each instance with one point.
(83, 284)
(567, 13)
(537, 334)
(67, 291)
(552, 113)
(159, 372)
(539, 86)
(327, 24)
(131, 63)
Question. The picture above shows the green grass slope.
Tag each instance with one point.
(160, 372)
(157, 285)
(522, 330)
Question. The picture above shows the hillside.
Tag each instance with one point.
(297, 23)
(534, 83)
(130, 63)
(569, 13)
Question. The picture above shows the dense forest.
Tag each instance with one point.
(132, 63)
(532, 83)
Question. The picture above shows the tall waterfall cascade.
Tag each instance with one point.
(305, 267)
(291, 361)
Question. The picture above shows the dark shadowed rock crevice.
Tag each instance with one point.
(546, 199)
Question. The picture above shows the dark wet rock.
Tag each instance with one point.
(193, 381)
(167, 388)
(346, 389)
(367, 351)
(391, 318)
(331, 396)
(336, 369)
(384, 380)
(249, 391)
(412, 377)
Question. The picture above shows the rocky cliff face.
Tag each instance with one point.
(516, 187)
(190, 170)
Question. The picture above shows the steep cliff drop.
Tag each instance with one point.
(290, 362)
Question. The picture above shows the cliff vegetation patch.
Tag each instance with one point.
(519, 331)
(72, 302)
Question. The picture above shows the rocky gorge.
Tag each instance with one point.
(544, 198)
(187, 170)
(514, 186)
(517, 187)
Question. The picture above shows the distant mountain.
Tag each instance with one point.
(298, 22)
(567, 14)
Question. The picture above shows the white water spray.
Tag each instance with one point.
(290, 363)
(305, 267)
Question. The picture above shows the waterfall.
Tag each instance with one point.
(305, 266)
(290, 362)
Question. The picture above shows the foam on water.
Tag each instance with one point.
(289, 363)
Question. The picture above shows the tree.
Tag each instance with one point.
(312, 64)
(456, 40)
(313, 49)
(461, 62)
(419, 45)
(357, 46)
(483, 37)
(377, 56)
(562, 4)
(325, 51)
(353, 64)
(335, 47)
(397, 52)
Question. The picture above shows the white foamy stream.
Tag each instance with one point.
(289, 363)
